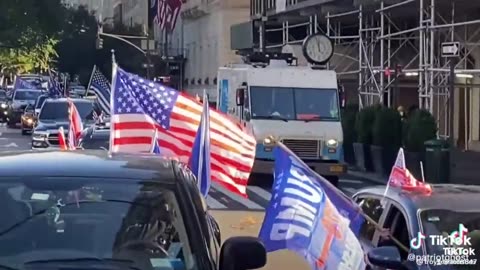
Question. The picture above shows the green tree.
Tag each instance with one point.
(29, 31)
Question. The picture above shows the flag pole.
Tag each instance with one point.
(423, 173)
(90, 81)
(112, 89)
(271, 141)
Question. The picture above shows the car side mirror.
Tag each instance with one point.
(248, 116)
(385, 257)
(242, 253)
(240, 94)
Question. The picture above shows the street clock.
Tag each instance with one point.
(317, 49)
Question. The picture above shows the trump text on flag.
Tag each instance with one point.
(302, 219)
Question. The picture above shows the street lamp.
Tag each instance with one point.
(124, 38)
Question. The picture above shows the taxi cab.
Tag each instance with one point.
(122, 212)
(407, 213)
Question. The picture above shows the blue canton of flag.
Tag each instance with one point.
(154, 101)
(22, 84)
(200, 159)
(302, 218)
(54, 88)
(155, 145)
(100, 86)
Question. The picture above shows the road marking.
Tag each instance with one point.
(349, 181)
(214, 204)
(10, 145)
(260, 192)
(248, 203)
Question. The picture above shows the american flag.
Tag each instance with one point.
(100, 86)
(140, 106)
(401, 177)
(76, 125)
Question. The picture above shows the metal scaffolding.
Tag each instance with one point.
(389, 53)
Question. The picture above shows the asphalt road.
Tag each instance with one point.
(236, 215)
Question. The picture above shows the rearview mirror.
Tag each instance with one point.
(248, 116)
(240, 96)
(385, 257)
(242, 253)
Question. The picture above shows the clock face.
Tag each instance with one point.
(318, 49)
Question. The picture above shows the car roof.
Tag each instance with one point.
(443, 196)
(27, 90)
(64, 100)
(100, 164)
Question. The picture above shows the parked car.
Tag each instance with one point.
(93, 210)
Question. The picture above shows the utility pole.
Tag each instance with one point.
(451, 100)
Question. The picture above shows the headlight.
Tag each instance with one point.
(332, 143)
(29, 121)
(39, 136)
(4, 106)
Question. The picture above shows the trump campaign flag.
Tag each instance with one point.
(200, 159)
(301, 218)
(155, 147)
(22, 84)
(140, 106)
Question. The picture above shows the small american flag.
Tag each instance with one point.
(140, 106)
(401, 177)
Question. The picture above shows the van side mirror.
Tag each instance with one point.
(248, 116)
(240, 96)
(242, 253)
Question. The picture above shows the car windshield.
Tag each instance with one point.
(294, 103)
(58, 111)
(444, 222)
(60, 222)
(40, 102)
(26, 95)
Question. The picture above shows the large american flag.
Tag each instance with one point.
(140, 106)
(166, 13)
(100, 86)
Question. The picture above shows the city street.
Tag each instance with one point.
(236, 215)
(220, 198)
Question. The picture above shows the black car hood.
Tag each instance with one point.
(53, 126)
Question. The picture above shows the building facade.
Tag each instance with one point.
(206, 39)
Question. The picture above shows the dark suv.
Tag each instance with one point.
(20, 100)
(53, 115)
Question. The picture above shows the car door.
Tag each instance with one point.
(396, 221)
(373, 207)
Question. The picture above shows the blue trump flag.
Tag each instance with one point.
(200, 158)
(302, 218)
(22, 84)
(155, 146)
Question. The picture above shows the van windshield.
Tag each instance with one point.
(304, 104)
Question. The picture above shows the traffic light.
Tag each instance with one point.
(99, 44)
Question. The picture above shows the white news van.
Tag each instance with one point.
(298, 105)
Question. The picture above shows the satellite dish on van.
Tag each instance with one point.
(317, 49)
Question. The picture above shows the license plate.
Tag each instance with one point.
(336, 168)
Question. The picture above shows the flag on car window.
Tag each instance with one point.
(200, 158)
(302, 218)
(22, 84)
(140, 106)
(75, 125)
(401, 177)
(62, 142)
(155, 146)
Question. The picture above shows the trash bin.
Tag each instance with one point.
(437, 159)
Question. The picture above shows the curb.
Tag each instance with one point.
(368, 177)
